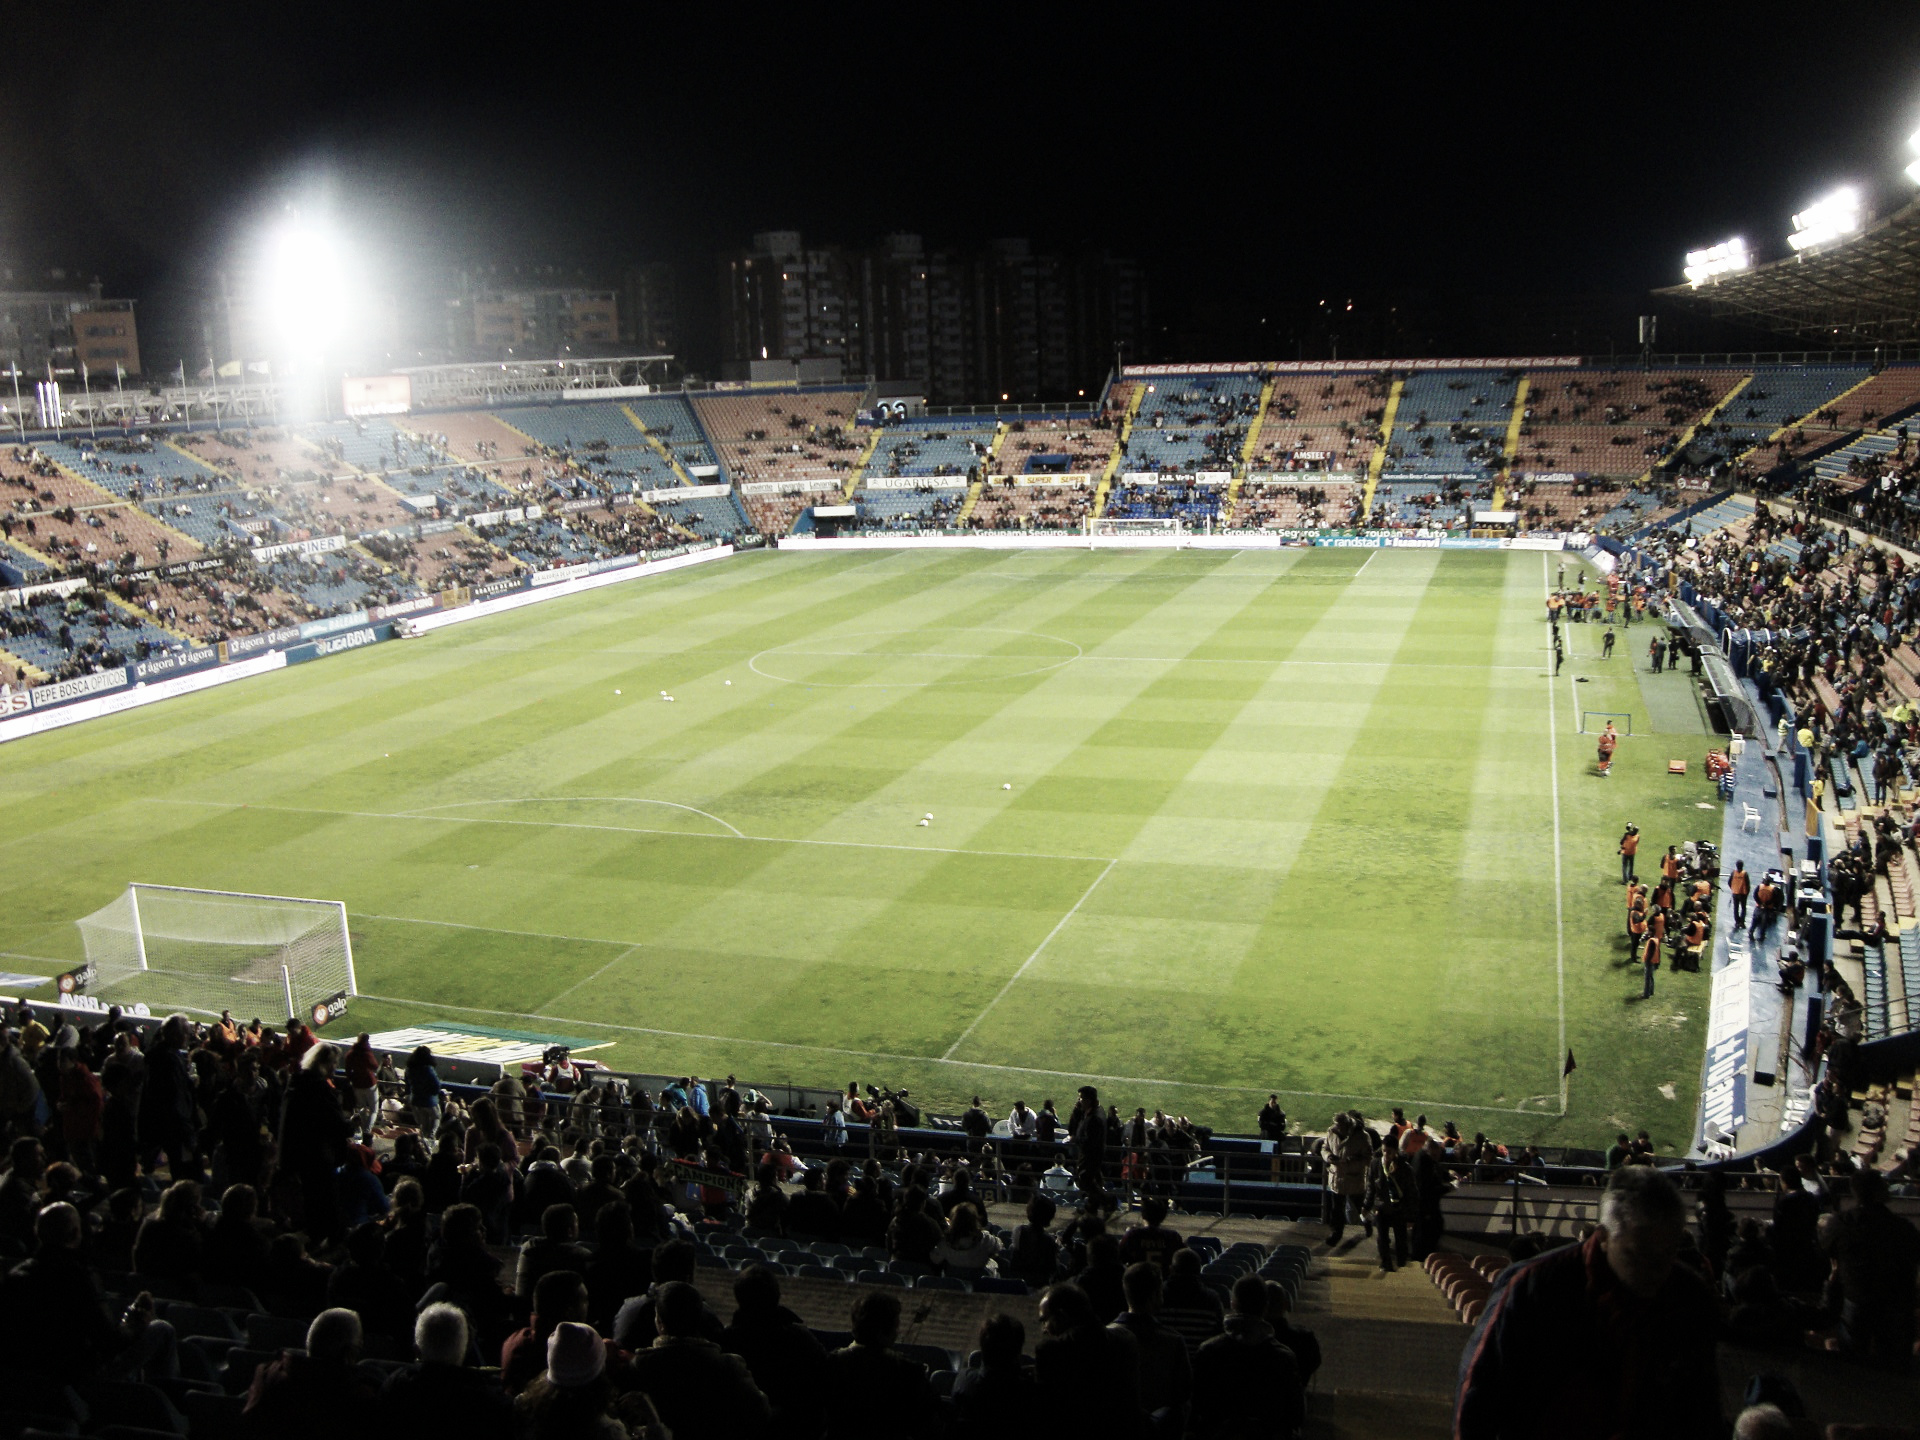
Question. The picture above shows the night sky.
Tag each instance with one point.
(1258, 163)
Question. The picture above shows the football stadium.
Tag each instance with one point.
(561, 894)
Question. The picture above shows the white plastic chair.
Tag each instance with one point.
(1750, 817)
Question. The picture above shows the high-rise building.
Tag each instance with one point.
(964, 327)
(532, 321)
(650, 309)
(63, 330)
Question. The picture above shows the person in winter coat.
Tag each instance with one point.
(1348, 1155)
(314, 1132)
(167, 1121)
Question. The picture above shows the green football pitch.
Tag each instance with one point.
(1205, 824)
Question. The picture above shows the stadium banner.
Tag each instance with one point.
(1450, 477)
(50, 715)
(185, 569)
(245, 645)
(405, 607)
(559, 573)
(1304, 477)
(654, 564)
(1355, 367)
(1552, 477)
(376, 394)
(319, 546)
(332, 625)
(27, 594)
(331, 1008)
(485, 518)
(494, 588)
(1073, 479)
(174, 662)
(335, 644)
(685, 492)
(788, 487)
(916, 482)
(1723, 1085)
(605, 392)
(59, 692)
(72, 982)
(574, 507)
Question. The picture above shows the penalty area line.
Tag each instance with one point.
(884, 1055)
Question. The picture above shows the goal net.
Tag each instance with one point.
(270, 956)
(1105, 530)
(1592, 722)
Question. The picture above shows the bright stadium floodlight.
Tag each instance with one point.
(306, 286)
(1913, 167)
(1828, 218)
(1721, 259)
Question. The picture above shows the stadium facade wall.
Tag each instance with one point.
(1225, 540)
(108, 692)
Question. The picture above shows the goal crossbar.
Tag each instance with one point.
(207, 950)
(1594, 721)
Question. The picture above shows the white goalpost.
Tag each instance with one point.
(1159, 531)
(176, 948)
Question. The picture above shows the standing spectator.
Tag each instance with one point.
(362, 1068)
(1245, 1382)
(81, 1104)
(1166, 1372)
(167, 1124)
(1151, 1241)
(1610, 1337)
(424, 1090)
(1348, 1155)
(1090, 1138)
(313, 1139)
(1032, 1254)
(1875, 1256)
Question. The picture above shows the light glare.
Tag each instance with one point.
(1721, 259)
(1828, 218)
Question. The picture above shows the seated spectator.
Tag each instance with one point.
(442, 1394)
(170, 1240)
(557, 1247)
(1188, 1307)
(969, 1248)
(619, 1267)
(913, 1233)
(998, 1395)
(572, 1399)
(488, 1186)
(239, 1242)
(558, 1297)
(55, 1329)
(301, 1395)
(1304, 1344)
(782, 1354)
(700, 1391)
(1088, 1373)
(1102, 1278)
(113, 1245)
(811, 1214)
(864, 1221)
(1151, 1241)
(1245, 1381)
(1166, 1373)
(407, 1241)
(871, 1389)
(767, 1202)
(634, 1326)
(364, 1285)
(462, 1271)
(1032, 1254)
(358, 1191)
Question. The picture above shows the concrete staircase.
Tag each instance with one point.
(1378, 462)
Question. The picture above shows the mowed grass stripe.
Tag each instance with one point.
(895, 959)
(1144, 969)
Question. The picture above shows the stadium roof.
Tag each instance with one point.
(1864, 289)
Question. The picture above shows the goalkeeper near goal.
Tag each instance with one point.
(1609, 741)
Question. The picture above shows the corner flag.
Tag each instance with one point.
(1569, 1067)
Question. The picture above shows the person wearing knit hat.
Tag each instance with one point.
(574, 1398)
(576, 1355)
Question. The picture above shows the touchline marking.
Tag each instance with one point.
(1015, 977)
(884, 1055)
(1559, 908)
(620, 829)
(1369, 560)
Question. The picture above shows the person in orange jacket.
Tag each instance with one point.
(1649, 962)
(1739, 885)
(1629, 842)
